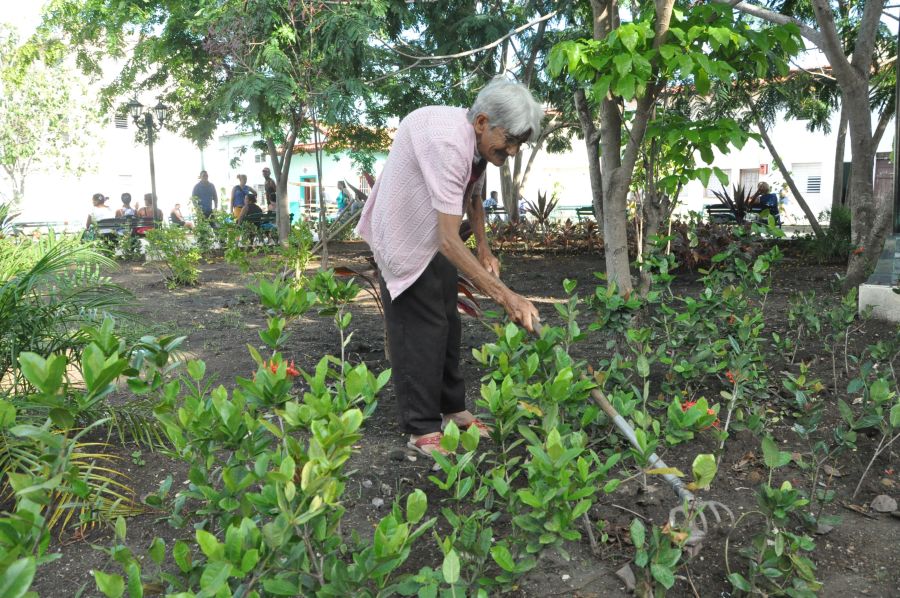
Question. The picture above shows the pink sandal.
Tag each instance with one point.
(427, 444)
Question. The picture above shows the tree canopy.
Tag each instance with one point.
(46, 122)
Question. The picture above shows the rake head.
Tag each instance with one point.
(691, 516)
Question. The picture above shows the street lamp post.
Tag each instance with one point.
(150, 121)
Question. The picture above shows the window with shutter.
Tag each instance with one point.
(808, 176)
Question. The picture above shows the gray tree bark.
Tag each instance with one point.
(592, 146)
(281, 166)
(837, 189)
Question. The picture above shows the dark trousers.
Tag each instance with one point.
(424, 332)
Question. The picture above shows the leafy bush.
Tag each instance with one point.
(174, 248)
(834, 246)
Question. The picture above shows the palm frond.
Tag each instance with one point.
(100, 492)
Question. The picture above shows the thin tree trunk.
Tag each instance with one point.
(281, 166)
(883, 121)
(837, 189)
(509, 193)
(323, 222)
(813, 222)
(592, 146)
(868, 218)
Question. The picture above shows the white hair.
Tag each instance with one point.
(509, 105)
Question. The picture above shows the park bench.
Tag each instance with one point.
(25, 228)
(121, 226)
(585, 212)
(266, 224)
(110, 229)
(498, 213)
(720, 214)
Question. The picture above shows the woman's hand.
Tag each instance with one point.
(489, 262)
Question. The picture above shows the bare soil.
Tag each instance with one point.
(221, 316)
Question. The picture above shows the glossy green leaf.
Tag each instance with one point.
(112, 585)
(17, 578)
(704, 469)
(450, 567)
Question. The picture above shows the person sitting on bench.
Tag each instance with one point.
(764, 199)
(99, 212)
(249, 210)
(147, 212)
(177, 219)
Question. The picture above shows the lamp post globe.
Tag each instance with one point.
(161, 111)
(135, 109)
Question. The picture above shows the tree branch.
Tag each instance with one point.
(771, 16)
(864, 47)
(831, 42)
(535, 47)
(883, 121)
(493, 44)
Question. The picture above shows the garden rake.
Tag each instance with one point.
(691, 513)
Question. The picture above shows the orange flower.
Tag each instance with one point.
(292, 371)
(858, 250)
(688, 404)
(730, 376)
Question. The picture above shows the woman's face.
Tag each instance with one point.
(495, 144)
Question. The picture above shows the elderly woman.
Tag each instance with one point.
(434, 173)
(764, 199)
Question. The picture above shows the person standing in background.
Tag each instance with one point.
(270, 189)
(341, 196)
(205, 192)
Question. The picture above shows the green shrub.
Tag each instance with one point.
(834, 246)
(174, 248)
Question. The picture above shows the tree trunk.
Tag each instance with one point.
(881, 127)
(869, 218)
(615, 214)
(618, 166)
(281, 166)
(592, 145)
(18, 191)
(323, 221)
(869, 214)
(615, 191)
(837, 190)
(509, 193)
(813, 221)
(655, 210)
